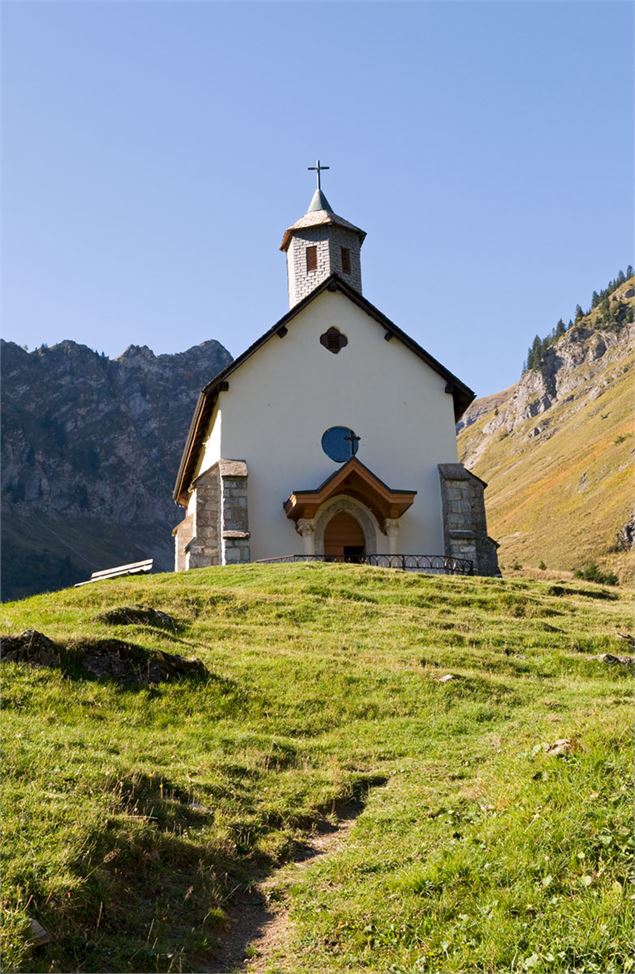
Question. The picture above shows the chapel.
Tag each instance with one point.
(333, 435)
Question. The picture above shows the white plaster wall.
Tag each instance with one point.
(281, 401)
(210, 454)
(191, 504)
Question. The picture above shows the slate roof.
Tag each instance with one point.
(319, 218)
(461, 393)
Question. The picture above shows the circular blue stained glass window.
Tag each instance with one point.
(340, 443)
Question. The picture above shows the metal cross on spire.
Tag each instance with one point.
(318, 168)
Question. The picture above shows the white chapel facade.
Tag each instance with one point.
(333, 435)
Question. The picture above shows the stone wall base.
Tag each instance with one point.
(464, 521)
(217, 531)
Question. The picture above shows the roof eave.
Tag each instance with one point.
(180, 492)
(331, 219)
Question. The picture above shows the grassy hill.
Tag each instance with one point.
(135, 815)
(560, 481)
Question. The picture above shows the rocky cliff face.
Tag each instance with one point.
(567, 375)
(89, 455)
(556, 447)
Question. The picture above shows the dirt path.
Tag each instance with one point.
(259, 928)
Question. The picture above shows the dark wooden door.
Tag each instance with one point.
(344, 538)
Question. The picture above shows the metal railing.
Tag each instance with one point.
(435, 564)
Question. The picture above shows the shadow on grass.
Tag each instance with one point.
(152, 886)
(601, 593)
(148, 892)
(251, 914)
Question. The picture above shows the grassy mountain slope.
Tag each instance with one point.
(560, 480)
(134, 816)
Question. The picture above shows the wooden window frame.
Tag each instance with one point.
(311, 259)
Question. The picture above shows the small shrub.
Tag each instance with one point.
(542, 566)
(592, 573)
(516, 566)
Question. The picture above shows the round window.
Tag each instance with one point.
(340, 443)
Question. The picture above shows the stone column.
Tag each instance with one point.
(235, 514)
(392, 530)
(306, 529)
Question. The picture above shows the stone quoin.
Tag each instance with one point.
(333, 434)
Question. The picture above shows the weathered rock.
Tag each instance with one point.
(447, 678)
(561, 748)
(129, 665)
(102, 659)
(38, 935)
(625, 539)
(31, 647)
(615, 660)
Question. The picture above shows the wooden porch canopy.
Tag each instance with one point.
(354, 480)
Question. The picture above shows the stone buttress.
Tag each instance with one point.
(216, 532)
(464, 523)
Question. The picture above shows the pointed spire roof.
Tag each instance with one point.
(318, 214)
(319, 202)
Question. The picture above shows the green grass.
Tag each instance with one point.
(132, 817)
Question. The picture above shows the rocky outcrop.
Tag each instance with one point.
(101, 659)
(557, 447)
(625, 539)
(565, 375)
(90, 450)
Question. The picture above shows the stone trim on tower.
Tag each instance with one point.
(464, 519)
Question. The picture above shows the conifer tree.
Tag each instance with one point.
(579, 313)
(560, 329)
(534, 355)
(629, 271)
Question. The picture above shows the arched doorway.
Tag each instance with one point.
(344, 538)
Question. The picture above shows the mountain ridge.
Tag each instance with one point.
(558, 464)
(90, 449)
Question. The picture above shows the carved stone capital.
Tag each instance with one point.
(306, 526)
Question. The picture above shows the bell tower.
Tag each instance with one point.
(319, 244)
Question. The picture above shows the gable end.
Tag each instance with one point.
(461, 394)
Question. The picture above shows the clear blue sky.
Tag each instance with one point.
(155, 152)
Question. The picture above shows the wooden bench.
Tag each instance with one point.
(135, 568)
